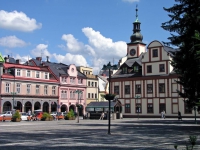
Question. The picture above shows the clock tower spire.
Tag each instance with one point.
(136, 46)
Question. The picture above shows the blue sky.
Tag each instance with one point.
(81, 32)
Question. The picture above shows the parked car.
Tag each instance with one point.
(53, 113)
(6, 113)
(24, 115)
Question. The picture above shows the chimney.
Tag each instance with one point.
(39, 58)
(6, 59)
(47, 58)
(18, 61)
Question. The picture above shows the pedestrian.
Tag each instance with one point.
(29, 112)
(102, 116)
(163, 114)
(179, 115)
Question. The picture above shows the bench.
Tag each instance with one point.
(5, 118)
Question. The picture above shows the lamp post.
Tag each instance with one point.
(137, 108)
(109, 67)
(78, 106)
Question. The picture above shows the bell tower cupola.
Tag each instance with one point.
(136, 46)
(136, 37)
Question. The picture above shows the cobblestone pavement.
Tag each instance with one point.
(126, 134)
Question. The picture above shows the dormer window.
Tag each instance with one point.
(28, 73)
(18, 72)
(37, 74)
(46, 75)
(124, 70)
(155, 53)
(162, 68)
(136, 68)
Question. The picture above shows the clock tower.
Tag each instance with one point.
(136, 46)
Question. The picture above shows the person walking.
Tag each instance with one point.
(179, 115)
(29, 112)
(102, 116)
(163, 114)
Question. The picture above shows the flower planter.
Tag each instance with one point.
(16, 119)
(47, 119)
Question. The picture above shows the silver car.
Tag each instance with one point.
(6, 113)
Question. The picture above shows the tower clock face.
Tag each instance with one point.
(132, 52)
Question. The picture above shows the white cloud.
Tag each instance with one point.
(98, 51)
(104, 47)
(72, 44)
(131, 1)
(11, 42)
(78, 60)
(18, 21)
(41, 49)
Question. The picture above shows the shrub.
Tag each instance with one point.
(16, 115)
(70, 114)
(46, 115)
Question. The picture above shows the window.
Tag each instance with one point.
(92, 84)
(65, 94)
(74, 94)
(136, 68)
(92, 95)
(71, 94)
(53, 90)
(7, 87)
(46, 75)
(155, 53)
(149, 88)
(124, 70)
(127, 89)
(162, 106)
(18, 86)
(62, 94)
(95, 95)
(28, 73)
(18, 72)
(95, 84)
(149, 106)
(88, 95)
(161, 88)
(149, 69)
(80, 81)
(64, 79)
(88, 83)
(187, 109)
(116, 90)
(127, 108)
(137, 89)
(162, 67)
(72, 80)
(45, 90)
(28, 88)
(37, 89)
(174, 106)
(37, 74)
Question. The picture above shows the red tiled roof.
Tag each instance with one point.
(9, 65)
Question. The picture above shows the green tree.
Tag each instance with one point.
(183, 26)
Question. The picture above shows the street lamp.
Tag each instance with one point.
(137, 108)
(78, 105)
(109, 67)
